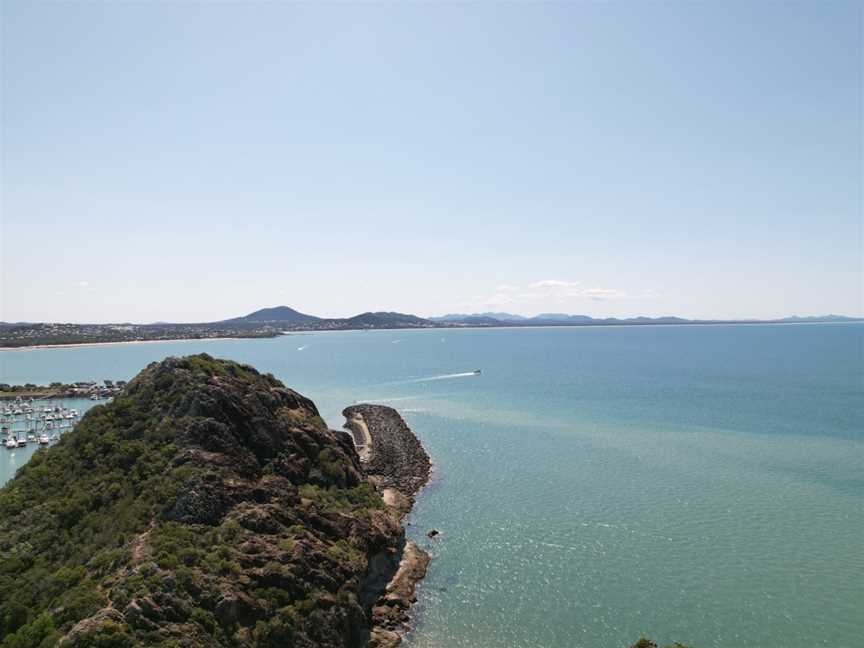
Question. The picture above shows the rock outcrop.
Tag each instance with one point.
(396, 458)
(396, 463)
(207, 505)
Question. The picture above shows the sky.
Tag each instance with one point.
(194, 161)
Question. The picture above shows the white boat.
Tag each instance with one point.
(22, 442)
(10, 443)
(43, 439)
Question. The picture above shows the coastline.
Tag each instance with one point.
(434, 328)
(101, 344)
(399, 467)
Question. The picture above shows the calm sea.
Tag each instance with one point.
(697, 484)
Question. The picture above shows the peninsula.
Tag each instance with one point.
(209, 505)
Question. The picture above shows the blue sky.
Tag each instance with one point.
(195, 161)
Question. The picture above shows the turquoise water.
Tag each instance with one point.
(699, 484)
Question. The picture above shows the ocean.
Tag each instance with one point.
(701, 484)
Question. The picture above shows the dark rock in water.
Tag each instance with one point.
(647, 643)
(206, 505)
(432, 533)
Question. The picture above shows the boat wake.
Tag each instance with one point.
(464, 374)
(305, 346)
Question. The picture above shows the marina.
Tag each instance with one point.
(36, 422)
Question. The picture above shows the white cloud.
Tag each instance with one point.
(554, 283)
(83, 286)
(552, 291)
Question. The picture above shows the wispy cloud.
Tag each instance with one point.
(557, 291)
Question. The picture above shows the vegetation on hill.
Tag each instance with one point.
(207, 505)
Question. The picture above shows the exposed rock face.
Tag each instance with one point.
(207, 505)
(396, 460)
(399, 467)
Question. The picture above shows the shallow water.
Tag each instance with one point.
(695, 483)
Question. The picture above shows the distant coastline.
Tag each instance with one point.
(67, 345)
(5, 344)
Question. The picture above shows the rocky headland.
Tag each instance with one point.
(398, 466)
(209, 505)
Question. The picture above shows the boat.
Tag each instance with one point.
(476, 372)
(10, 443)
(22, 442)
(43, 439)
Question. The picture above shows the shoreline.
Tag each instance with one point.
(399, 467)
(73, 345)
(423, 328)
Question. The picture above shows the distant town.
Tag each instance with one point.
(272, 322)
(85, 389)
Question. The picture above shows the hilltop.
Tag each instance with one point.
(287, 318)
(206, 505)
(278, 314)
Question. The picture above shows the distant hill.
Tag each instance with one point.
(272, 322)
(278, 314)
(385, 320)
(561, 317)
(283, 317)
(496, 317)
(820, 318)
(473, 320)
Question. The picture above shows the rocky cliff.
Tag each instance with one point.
(207, 505)
(398, 466)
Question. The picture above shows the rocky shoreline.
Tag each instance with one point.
(396, 463)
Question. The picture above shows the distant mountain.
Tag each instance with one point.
(285, 318)
(281, 314)
(505, 317)
(820, 318)
(271, 322)
(561, 317)
(564, 319)
(461, 317)
(668, 319)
